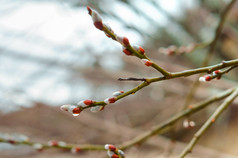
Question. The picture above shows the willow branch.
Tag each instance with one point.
(185, 73)
(98, 23)
(58, 146)
(162, 127)
(212, 46)
(207, 69)
(131, 79)
(208, 123)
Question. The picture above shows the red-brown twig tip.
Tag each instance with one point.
(89, 10)
(97, 20)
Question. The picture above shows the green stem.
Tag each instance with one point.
(162, 127)
(208, 123)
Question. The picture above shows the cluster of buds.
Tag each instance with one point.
(188, 123)
(124, 41)
(76, 109)
(215, 74)
(139, 49)
(14, 138)
(98, 23)
(174, 50)
(17, 139)
(113, 152)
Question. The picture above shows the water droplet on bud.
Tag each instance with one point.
(75, 114)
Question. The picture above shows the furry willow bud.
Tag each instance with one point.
(146, 62)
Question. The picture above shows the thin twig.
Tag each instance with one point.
(110, 33)
(212, 46)
(218, 31)
(131, 79)
(232, 67)
(46, 146)
(162, 127)
(185, 73)
(208, 123)
(207, 69)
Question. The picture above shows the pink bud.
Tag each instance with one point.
(88, 102)
(65, 107)
(97, 20)
(84, 103)
(62, 144)
(110, 147)
(75, 110)
(126, 51)
(123, 40)
(192, 124)
(38, 147)
(171, 50)
(139, 49)
(186, 123)
(205, 78)
(98, 25)
(53, 143)
(117, 93)
(75, 150)
(114, 156)
(11, 141)
(96, 108)
(110, 100)
(208, 78)
(182, 49)
(216, 72)
(146, 62)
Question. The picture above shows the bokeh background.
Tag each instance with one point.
(51, 54)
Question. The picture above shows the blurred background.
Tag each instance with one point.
(51, 54)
